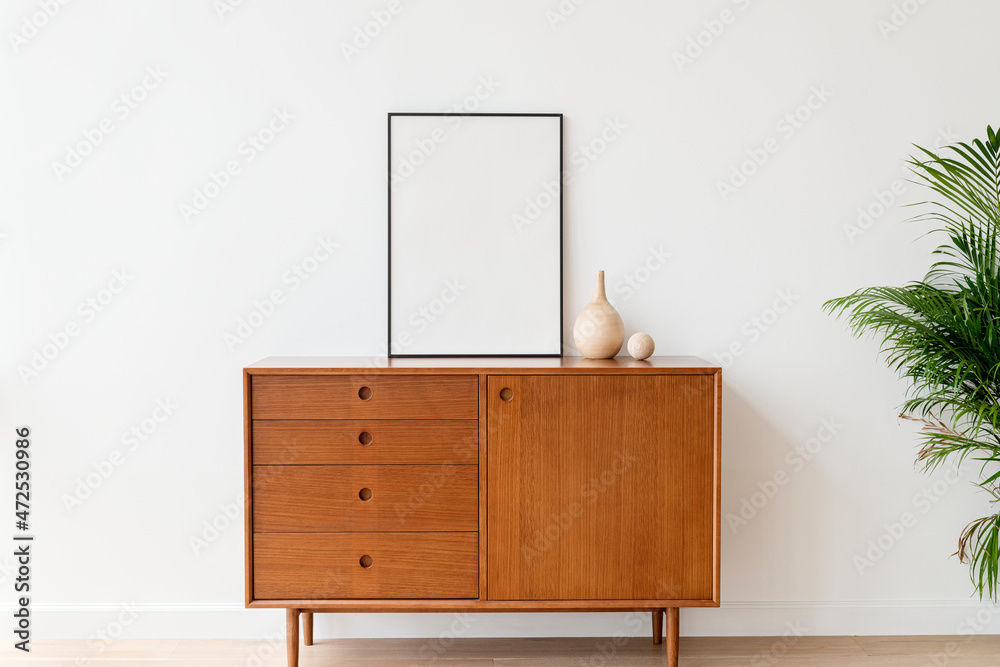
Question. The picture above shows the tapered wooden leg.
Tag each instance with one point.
(307, 628)
(657, 626)
(292, 636)
(673, 635)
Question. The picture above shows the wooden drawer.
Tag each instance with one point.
(309, 498)
(364, 397)
(418, 441)
(321, 566)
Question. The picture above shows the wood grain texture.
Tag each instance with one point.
(601, 487)
(376, 366)
(483, 535)
(307, 628)
(418, 441)
(640, 346)
(673, 635)
(469, 605)
(317, 566)
(247, 495)
(289, 499)
(325, 438)
(966, 644)
(292, 636)
(337, 397)
(717, 513)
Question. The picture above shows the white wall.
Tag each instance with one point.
(678, 131)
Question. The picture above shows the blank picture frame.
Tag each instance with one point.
(475, 235)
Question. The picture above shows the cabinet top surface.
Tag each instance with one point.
(475, 365)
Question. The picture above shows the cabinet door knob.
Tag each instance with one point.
(366, 561)
(365, 393)
(365, 494)
(365, 438)
(506, 394)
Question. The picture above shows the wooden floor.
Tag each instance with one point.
(561, 652)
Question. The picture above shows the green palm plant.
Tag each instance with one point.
(943, 333)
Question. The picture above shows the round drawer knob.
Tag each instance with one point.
(366, 561)
(365, 494)
(365, 438)
(365, 393)
(506, 394)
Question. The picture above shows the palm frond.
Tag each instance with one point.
(942, 333)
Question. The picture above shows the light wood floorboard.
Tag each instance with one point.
(963, 644)
(977, 651)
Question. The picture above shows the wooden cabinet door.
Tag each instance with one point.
(602, 487)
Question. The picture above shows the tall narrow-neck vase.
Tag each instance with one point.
(599, 331)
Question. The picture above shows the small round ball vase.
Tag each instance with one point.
(599, 331)
(641, 346)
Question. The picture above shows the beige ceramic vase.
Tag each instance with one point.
(599, 331)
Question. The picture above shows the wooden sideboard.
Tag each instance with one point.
(482, 485)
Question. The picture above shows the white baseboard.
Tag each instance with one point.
(853, 617)
(83, 621)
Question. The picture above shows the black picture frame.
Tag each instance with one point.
(395, 348)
